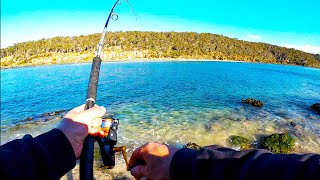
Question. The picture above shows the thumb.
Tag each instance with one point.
(95, 112)
(139, 171)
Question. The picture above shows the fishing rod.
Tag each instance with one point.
(109, 125)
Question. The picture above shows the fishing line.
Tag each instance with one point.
(114, 16)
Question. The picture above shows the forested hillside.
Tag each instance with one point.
(134, 45)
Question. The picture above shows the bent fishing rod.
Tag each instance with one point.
(109, 125)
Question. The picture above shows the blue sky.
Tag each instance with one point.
(290, 23)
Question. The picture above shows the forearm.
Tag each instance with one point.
(48, 156)
(214, 162)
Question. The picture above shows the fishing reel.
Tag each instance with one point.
(107, 144)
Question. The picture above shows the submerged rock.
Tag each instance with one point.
(253, 102)
(293, 124)
(316, 107)
(240, 141)
(192, 145)
(54, 113)
(45, 117)
(48, 119)
(28, 119)
(278, 143)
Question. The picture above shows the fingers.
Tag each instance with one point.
(81, 108)
(96, 122)
(93, 113)
(91, 117)
(137, 156)
(78, 109)
(95, 128)
(102, 134)
(138, 172)
(98, 133)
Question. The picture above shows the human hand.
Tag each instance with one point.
(78, 123)
(156, 158)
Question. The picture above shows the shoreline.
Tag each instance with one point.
(40, 125)
(144, 60)
(130, 61)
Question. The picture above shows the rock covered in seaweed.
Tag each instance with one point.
(278, 143)
(240, 141)
(192, 145)
(253, 102)
(316, 107)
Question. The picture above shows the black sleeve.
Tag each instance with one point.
(215, 162)
(48, 156)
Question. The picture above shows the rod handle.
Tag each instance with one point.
(86, 158)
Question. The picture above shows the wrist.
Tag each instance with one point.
(59, 151)
(76, 144)
(182, 163)
(75, 133)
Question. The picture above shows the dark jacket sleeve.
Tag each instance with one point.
(215, 162)
(48, 156)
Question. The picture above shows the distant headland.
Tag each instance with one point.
(137, 46)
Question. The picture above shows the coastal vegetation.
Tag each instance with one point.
(135, 45)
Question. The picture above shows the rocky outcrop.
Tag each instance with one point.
(54, 113)
(192, 145)
(316, 107)
(253, 102)
(28, 119)
(240, 142)
(46, 116)
(278, 143)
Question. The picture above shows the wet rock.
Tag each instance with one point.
(316, 107)
(50, 116)
(240, 141)
(61, 111)
(54, 113)
(47, 119)
(293, 124)
(122, 178)
(253, 102)
(278, 143)
(28, 119)
(47, 114)
(192, 145)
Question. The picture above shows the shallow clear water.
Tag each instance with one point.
(172, 102)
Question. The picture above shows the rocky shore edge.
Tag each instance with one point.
(276, 143)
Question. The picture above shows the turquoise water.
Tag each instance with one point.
(171, 102)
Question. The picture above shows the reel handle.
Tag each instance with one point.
(123, 149)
